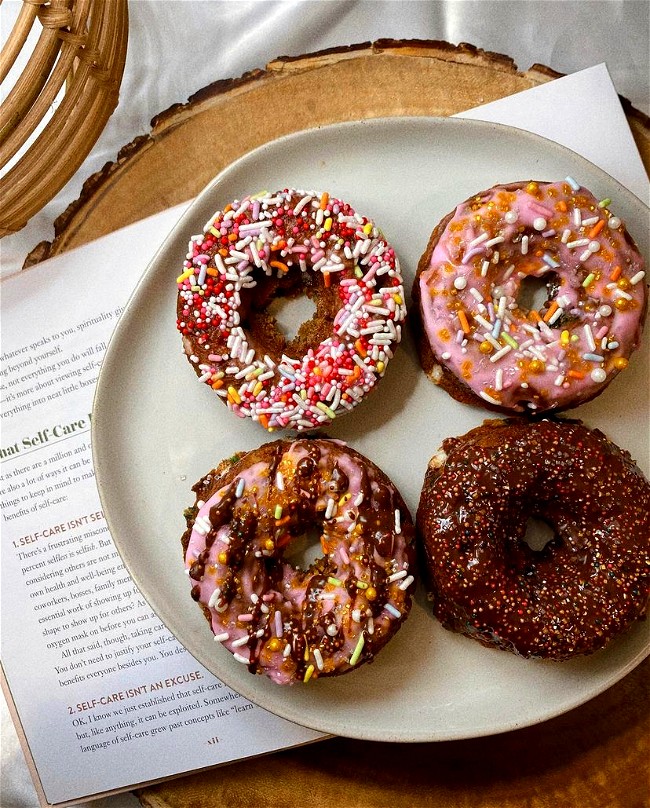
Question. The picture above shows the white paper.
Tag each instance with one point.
(82, 292)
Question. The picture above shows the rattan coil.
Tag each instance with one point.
(74, 69)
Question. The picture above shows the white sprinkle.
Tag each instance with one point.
(279, 481)
(277, 617)
(498, 380)
(605, 310)
(621, 293)
(580, 242)
(511, 216)
(574, 185)
(585, 255)
(476, 294)
(287, 650)
(488, 397)
(594, 246)
(241, 484)
(397, 576)
(613, 223)
(241, 659)
(524, 245)
(392, 610)
(500, 354)
(221, 637)
(370, 626)
(332, 630)
(460, 282)
(493, 241)
(539, 223)
(329, 511)
(484, 268)
(559, 380)
(591, 342)
(319, 658)
(577, 217)
(398, 521)
(598, 375)
(591, 220)
(406, 583)
(566, 235)
(214, 597)
(478, 240)
(636, 278)
(241, 641)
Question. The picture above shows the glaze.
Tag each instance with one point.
(586, 586)
(288, 623)
(327, 251)
(470, 286)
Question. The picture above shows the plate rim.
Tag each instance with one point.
(180, 227)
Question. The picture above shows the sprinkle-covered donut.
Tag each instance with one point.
(277, 619)
(480, 337)
(283, 244)
(586, 586)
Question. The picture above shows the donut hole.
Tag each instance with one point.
(305, 550)
(535, 293)
(289, 314)
(538, 534)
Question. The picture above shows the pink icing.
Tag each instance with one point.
(590, 326)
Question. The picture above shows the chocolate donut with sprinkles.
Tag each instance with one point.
(277, 619)
(587, 585)
(283, 244)
(481, 337)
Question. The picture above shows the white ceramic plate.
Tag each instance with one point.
(156, 430)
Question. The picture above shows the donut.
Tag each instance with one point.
(288, 623)
(587, 585)
(282, 244)
(480, 335)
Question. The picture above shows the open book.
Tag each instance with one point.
(103, 696)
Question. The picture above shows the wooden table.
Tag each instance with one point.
(595, 755)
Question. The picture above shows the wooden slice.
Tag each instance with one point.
(219, 123)
(594, 756)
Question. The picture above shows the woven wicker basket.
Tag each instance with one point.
(82, 49)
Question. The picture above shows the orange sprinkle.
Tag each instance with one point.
(223, 252)
(264, 420)
(282, 521)
(616, 273)
(212, 272)
(576, 374)
(595, 230)
(551, 311)
(216, 385)
(562, 206)
(534, 315)
(360, 349)
(325, 198)
(462, 317)
(327, 280)
(227, 208)
(233, 237)
(279, 265)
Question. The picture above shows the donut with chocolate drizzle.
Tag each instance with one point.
(277, 619)
(591, 580)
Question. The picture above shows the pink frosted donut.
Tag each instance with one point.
(478, 337)
(277, 619)
(281, 245)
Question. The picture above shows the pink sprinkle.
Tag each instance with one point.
(471, 253)
(245, 618)
(279, 629)
(267, 596)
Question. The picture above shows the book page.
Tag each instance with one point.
(106, 695)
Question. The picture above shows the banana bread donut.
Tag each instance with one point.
(480, 338)
(586, 586)
(277, 619)
(280, 245)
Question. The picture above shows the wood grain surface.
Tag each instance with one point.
(595, 756)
